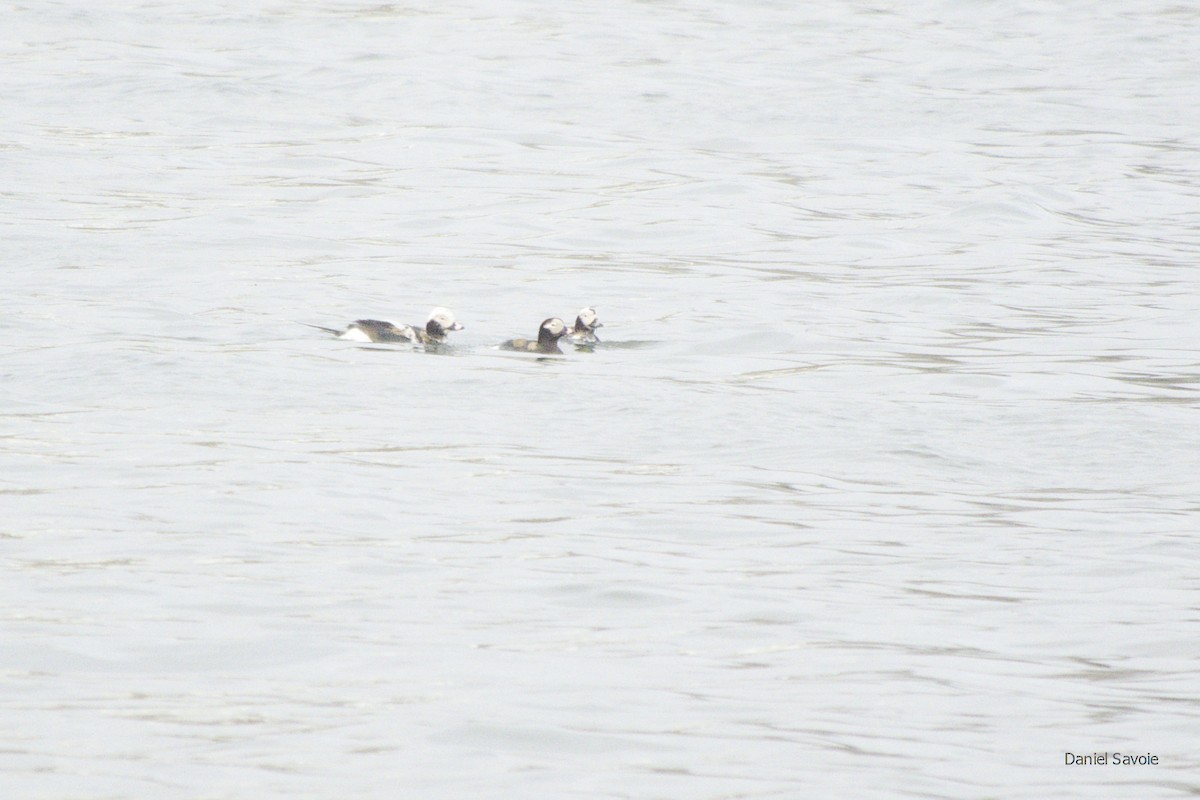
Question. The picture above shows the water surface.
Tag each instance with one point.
(882, 483)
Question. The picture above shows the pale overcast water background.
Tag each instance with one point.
(884, 483)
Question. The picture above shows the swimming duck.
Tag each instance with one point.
(584, 330)
(549, 333)
(441, 320)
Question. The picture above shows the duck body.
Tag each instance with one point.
(549, 333)
(584, 329)
(441, 321)
(373, 330)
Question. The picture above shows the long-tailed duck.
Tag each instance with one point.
(549, 333)
(441, 321)
(584, 330)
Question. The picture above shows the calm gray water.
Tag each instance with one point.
(884, 482)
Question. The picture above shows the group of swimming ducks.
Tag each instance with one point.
(441, 322)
